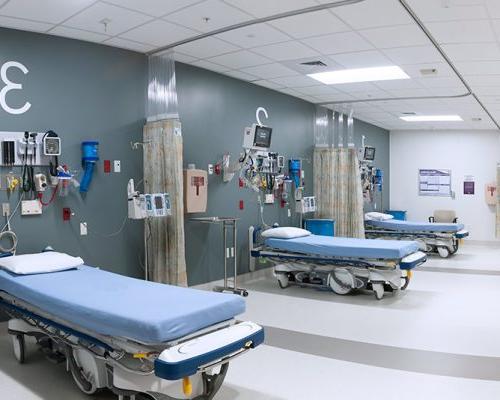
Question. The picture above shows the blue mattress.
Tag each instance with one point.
(329, 246)
(408, 226)
(115, 305)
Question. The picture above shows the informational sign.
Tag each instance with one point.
(434, 182)
(469, 184)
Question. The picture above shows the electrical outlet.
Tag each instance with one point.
(83, 229)
(6, 209)
(117, 166)
(210, 169)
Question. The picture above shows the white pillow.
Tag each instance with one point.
(285, 232)
(377, 216)
(39, 263)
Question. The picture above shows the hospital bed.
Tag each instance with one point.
(443, 238)
(340, 264)
(131, 336)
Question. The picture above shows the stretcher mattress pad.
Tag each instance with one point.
(115, 305)
(328, 246)
(409, 226)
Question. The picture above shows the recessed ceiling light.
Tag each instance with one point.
(432, 118)
(360, 75)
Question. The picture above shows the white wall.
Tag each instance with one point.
(464, 153)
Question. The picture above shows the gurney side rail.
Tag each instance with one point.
(358, 262)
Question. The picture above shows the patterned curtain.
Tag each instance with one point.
(163, 173)
(337, 187)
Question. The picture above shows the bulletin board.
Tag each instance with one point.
(434, 182)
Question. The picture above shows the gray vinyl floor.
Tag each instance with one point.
(436, 340)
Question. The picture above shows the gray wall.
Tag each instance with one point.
(81, 91)
(89, 91)
(214, 110)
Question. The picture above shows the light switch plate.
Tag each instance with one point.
(31, 207)
(117, 166)
(5, 209)
(210, 169)
(83, 229)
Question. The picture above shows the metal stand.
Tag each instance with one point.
(228, 223)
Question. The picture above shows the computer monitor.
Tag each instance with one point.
(369, 154)
(257, 137)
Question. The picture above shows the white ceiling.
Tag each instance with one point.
(371, 33)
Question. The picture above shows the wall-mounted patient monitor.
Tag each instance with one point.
(195, 190)
(257, 137)
(369, 153)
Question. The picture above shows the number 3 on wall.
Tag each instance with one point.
(9, 85)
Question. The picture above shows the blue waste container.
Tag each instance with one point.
(324, 227)
(397, 214)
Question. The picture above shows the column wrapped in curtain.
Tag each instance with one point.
(337, 187)
(163, 173)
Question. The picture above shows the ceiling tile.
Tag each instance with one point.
(290, 92)
(409, 92)
(295, 81)
(183, 58)
(207, 47)
(268, 84)
(479, 67)
(395, 36)
(274, 70)
(301, 65)
(344, 42)
(334, 97)
(310, 99)
(398, 84)
(210, 66)
(362, 59)
(371, 94)
(495, 23)
(241, 75)
(128, 44)
(272, 7)
(78, 34)
(488, 80)
(159, 33)
(318, 89)
(155, 8)
(493, 7)
(413, 55)
(461, 31)
(373, 13)
(472, 51)
(285, 51)
(23, 24)
(120, 19)
(220, 15)
(433, 10)
(443, 82)
(310, 24)
(239, 59)
(53, 11)
(254, 35)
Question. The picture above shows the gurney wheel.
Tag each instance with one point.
(283, 281)
(378, 290)
(406, 282)
(443, 252)
(19, 347)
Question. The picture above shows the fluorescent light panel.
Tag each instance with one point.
(432, 118)
(360, 75)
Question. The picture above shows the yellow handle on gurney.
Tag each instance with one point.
(187, 386)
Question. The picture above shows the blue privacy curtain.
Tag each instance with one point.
(163, 173)
(337, 179)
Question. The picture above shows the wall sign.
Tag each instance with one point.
(7, 85)
(434, 182)
(469, 184)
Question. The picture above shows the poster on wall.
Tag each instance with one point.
(469, 185)
(434, 182)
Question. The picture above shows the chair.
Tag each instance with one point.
(446, 216)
